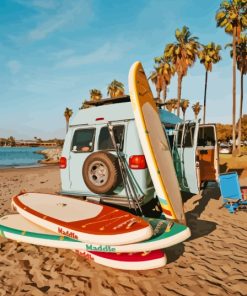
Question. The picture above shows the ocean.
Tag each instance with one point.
(19, 156)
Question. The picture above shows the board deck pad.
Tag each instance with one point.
(82, 220)
(155, 145)
(16, 227)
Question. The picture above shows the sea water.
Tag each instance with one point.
(19, 156)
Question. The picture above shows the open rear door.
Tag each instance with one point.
(207, 153)
(184, 156)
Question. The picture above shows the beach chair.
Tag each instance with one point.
(231, 192)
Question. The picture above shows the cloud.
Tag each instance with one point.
(14, 66)
(57, 15)
(108, 52)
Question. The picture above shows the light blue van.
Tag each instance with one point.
(90, 167)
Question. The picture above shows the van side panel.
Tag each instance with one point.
(64, 173)
(142, 176)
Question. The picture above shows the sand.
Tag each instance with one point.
(212, 262)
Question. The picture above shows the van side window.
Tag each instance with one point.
(105, 141)
(83, 140)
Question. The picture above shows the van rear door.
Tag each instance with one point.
(82, 146)
(184, 156)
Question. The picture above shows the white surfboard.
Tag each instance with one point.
(154, 144)
(16, 227)
(81, 220)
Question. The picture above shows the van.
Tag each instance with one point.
(89, 163)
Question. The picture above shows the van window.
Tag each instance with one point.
(206, 136)
(188, 139)
(105, 141)
(83, 140)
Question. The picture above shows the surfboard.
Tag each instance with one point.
(154, 144)
(127, 261)
(82, 220)
(18, 228)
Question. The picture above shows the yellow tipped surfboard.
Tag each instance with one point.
(154, 144)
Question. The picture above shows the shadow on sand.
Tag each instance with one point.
(198, 227)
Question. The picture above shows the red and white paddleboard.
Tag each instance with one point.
(82, 220)
(127, 261)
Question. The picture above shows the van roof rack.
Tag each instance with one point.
(106, 101)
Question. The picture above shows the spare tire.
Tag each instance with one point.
(101, 172)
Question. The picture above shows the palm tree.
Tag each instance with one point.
(174, 104)
(95, 95)
(169, 105)
(166, 70)
(196, 109)
(67, 114)
(208, 56)
(232, 15)
(115, 89)
(241, 58)
(157, 79)
(182, 54)
(184, 104)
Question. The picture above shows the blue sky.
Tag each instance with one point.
(52, 52)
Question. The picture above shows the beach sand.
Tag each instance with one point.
(212, 262)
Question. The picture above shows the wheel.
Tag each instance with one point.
(101, 172)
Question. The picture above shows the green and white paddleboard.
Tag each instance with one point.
(18, 228)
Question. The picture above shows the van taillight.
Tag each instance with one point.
(63, 162)
(137, 162)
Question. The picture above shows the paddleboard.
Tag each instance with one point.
(17, 228)
(82, 220)
(154, 144)
(127, 261)
(29, 232)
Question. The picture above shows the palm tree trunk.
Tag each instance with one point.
(240, 111)
(234, 93)
(158, 93)
(67, 125)
(180, 77)
(183, 116)
(164, 92)
(205, 97)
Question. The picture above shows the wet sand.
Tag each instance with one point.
(212, 262)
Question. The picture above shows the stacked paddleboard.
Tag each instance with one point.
(109, 236)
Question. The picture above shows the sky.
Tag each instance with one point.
(52, 52)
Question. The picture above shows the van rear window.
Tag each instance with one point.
(83, 140)
(105, 141)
